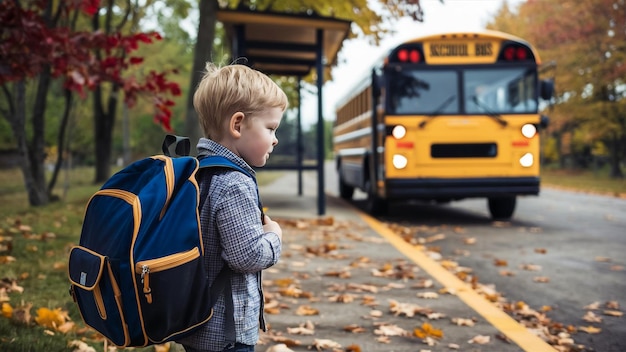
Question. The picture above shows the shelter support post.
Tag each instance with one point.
(321, 197)
(299, 146)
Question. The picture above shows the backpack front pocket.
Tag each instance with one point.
(163, 304)
(96, 290)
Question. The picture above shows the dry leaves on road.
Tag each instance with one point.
(556, 334)
(342, 280)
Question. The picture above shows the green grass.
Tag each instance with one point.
(584, 181)
(40, 264)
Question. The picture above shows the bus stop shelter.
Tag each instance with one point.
(289, 45)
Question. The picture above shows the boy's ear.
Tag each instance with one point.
(234, 125)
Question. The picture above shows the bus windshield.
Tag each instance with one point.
(485, 91)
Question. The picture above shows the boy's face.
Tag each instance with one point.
(258, 136)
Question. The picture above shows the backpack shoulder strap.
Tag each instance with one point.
(220, 161)
(223, 281)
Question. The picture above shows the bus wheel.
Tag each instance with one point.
(345, 191)
(374, 204)
(501, 207)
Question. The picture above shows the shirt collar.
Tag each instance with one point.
(209, 147)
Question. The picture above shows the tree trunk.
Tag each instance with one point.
(37, 151)
(61, 141)
(103, 133)
(615, 151)
(104, 119)
(202, 54)
(558, 136)
(36, 195)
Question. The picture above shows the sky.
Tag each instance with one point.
(356, 55)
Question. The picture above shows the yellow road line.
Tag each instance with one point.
(499, 319)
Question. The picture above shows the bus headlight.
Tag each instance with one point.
(527, 160)
(398, 132)
(529, 130)
(400, 161)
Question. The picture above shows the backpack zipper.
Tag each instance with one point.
(145, 267)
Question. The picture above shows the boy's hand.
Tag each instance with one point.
(270, 225)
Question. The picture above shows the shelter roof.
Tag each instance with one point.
(283, 44)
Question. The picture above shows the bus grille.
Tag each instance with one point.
(464, 150)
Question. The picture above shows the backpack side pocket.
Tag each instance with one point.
(97, 293)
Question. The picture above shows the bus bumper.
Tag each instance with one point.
(451, 189)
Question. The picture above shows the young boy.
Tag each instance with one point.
(239, 110)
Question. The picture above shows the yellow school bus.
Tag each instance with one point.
(443, 118)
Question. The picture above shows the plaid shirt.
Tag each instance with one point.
(233, 233)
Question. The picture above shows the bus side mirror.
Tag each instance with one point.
(544, 121)
(546, 89)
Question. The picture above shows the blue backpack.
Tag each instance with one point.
(138, 274)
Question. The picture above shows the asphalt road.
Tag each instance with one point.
(563, 250)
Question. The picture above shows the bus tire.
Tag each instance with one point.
(345, 191)
(374, 204)
(502, 207)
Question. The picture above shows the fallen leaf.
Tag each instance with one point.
(369, 301)
(428, 295)
(342, 298)
(362, 288)
(545, 308)
(383, 339)
(612, 305)
(590, 329)
(22, 314)
(284, 282)
(435, 316)
(51, 318)
(66, 327)
(463, 322)
(80, 346)
(390, 330)
(433, 238)
(427, 330)
(307, 310)
(300, 331)
(7, 310)
(594, 305)
(500, 262)
(469, 240)
(407, 309)
(541, 250)
(530, 267)
(424, 283)
(613, 313)
(592, 318)
(293, 291)
(480, 340)
(376, 313)
(353, 328)
(162, 347)
(322, 344)
(541, 279)
(344, 274)
(353, 348)
(506, 273)
(281, 347)
(5, 259)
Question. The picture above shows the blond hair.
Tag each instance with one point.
(226, 90)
